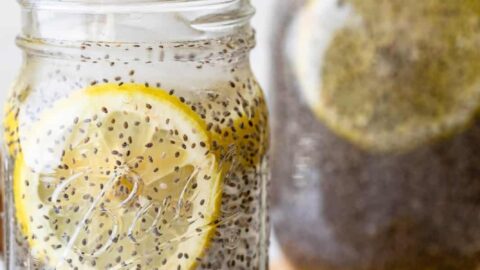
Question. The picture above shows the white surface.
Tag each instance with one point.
(10, 55)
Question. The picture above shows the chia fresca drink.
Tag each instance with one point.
(377, 139)
(136, 138)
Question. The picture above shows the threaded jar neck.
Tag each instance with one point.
(134, 20)
(49, 25)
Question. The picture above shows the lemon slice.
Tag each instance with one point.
(11, 119)
(118, 177)
(10, 131)
(237, 118)
(390, 77)
(242, 141)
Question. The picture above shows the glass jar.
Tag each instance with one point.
(377, 140)
(136, 137)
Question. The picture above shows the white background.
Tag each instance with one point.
(10, 55)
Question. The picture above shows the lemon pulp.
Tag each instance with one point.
(391, 76)
(118, 177)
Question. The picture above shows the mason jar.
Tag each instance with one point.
(136, 138)
(377, 134)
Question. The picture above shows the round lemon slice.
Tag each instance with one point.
(117, 177)
(242, 141)
(389, 77)
(11, 122)
(10, 131)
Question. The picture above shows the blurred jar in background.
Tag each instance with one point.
(377, 136)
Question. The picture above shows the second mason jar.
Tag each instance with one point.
(377, 148)
(136, 138)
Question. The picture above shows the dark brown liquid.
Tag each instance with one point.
(337, 207)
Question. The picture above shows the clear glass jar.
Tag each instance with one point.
(377, 136)
(136, 137)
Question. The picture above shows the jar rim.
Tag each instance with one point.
(120, 6)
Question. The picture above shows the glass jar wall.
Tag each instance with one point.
(136, 137)
(377, 137)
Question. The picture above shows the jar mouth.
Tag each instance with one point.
(119, 6)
